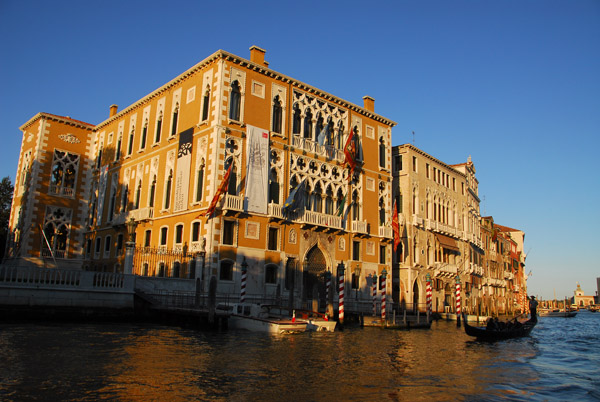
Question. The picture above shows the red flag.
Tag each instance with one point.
(395, 227)
(350, 151)
(222, 188)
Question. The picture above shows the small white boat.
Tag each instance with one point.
(316, 321)
(556, 313)
(254, 317)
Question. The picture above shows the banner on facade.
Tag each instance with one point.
(101, 193)
(257, 170)
(182, 177)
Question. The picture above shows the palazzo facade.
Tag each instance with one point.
(160, 162)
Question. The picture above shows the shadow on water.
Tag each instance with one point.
(132, 362)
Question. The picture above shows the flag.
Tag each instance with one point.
(395, 227)
(222, 188)
(340, 211)
(295, 200)
(350, 152)
(324, 135)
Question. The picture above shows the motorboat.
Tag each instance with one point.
(316, 321)
(556, 313)
(257, 318)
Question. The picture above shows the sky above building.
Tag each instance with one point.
(513, 84)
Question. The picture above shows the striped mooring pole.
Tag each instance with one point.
(383, 289)
(374, 295)
(428, 292)
(243, 284)
(341, 292)
(458, 301)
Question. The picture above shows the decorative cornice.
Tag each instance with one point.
(70, 138)
(60, 119)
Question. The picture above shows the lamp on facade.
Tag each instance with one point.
(131, 225)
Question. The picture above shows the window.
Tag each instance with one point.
(382, 254)
(118, 147)
(64, 173)
(232, 185)
(152, 191)
(107, 245)
(178, 234)
(176, 269)
(119, 244)
(271, 274)
(98, 243)
(226, 271)
(147, 238)
(200, 182)
(144, 135)
(381, 212)
(174, 120)
(273, 243)
(296, 120)
(168, 185)
(356, 250)
(195, 231)
(124, 196)
(414, 163)
(273, 187)
(235, 101)
(277, 115)
(289, 273)
(163, 236)
(99, 158)
(427, 170)
(308, 128)
(130, 145)
(228, 232)
(355, 206)
(381, 153)
(158, 128)
(206, 103)
(138, 195)
(329, 201)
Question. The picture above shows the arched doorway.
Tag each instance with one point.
(315, 267)
(416, 296)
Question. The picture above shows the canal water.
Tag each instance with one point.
(560, 361)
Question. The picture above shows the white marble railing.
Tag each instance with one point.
(311, 146)
(234, 202)
(385, 231)
(360, 227)
(35, 277)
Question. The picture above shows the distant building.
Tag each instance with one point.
(580, 299)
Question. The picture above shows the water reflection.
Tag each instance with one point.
(130, 362)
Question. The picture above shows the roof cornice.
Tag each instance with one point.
(61, 119)
(221, 54)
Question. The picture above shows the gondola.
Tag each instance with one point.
(484, 334)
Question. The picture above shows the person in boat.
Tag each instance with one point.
(492, 324)
(533, 308)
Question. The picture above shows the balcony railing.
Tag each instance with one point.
(417, 221)
(141, 214)
(234, 203)
(360, 227)
(385, 231)
(319, 219)
(311, 146)
(442, 269)
(64, 191)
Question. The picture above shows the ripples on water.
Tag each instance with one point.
(131, 362)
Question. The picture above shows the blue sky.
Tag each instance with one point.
(513, 84)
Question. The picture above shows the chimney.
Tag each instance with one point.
(113, 110)
(369, 103)
(257, 55)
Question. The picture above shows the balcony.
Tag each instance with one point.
(62, 191)
(319, 219)
(441, 228)
(311, 146)
(233, 203)
(275, 211)
(360, 227)
(385, 231)
(444, 270)
(141, 214)
(417, 221)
